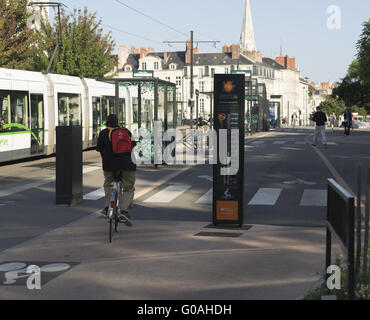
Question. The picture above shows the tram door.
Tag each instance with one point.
(37, 124)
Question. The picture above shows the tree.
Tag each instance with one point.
(332, 105)
(16, 37)
(85, 50)
(363, 56)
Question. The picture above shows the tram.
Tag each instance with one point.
(33, 104)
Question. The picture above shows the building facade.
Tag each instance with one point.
(287, 92)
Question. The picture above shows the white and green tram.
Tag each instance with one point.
(32, 104)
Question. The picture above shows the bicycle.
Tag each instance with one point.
(113, 209)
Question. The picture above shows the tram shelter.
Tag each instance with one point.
(139, 102)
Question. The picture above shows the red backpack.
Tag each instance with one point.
(121, 141)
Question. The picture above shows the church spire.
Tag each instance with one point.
(247, 35)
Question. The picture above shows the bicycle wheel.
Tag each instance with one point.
(111, 229)
(116, 221)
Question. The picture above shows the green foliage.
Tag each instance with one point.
(332, 105)
(362, 284)
(355, 87)
(17, 39)
(363, 46)
(85, 50)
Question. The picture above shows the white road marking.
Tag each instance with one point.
(36, 184)
(167, 195)
(279, 142)
(266, 197)
(91, 169)
(314, 198)
(300, 143)
(207, 198)
(95, 195)
(331, 143)
(258, 142)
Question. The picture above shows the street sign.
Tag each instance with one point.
(247, 73)
(143, 74)
(228, 173)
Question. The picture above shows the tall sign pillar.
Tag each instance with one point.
(228, 173)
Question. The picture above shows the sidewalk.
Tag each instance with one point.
(165, 261)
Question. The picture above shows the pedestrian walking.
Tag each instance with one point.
(347, 122)
(333, 119)
(294, 119)
(320, 119)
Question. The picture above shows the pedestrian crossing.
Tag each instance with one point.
(263, 197)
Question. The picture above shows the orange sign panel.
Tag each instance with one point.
(228, 210)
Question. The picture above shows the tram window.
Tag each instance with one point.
(147, 114)
(19, 108)
(107, 107)
(161, 104)
(135, 110)
(4, 109)
(122, 111)
(170, 109)
(69, 107)
(96, 111)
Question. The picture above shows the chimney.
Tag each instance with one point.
(165, 57)
(188, 52)
(122, 56)
(235, 51)
(287, 62)
(143, 53)
(225, 49)
(151, 50)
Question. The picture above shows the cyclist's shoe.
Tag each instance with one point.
(124, 217)
(105, 211)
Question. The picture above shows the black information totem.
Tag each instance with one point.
(228, 173)
(69, 189)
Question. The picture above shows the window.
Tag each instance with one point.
(213, 71)
(69, 107)
(226, 70)
(156, 65)
(19, 108)
(107, 107)
(200, 72)
(13, 109)
(178, 96)
(143, 66)
(135, 110)
(5, 116)
(206, 73)
(201, 106)
(173, 66)
(128, 69)
(201, 86)
(178, 81)
(168, 79)
(185, 72)
(122, 111)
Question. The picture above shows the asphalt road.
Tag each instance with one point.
(285, 183)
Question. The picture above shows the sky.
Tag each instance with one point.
(300, 27)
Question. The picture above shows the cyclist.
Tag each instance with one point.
(113, 163)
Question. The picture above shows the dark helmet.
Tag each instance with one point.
(112, 121)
